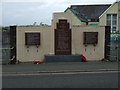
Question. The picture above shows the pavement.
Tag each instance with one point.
(59, 67)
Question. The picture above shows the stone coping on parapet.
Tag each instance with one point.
(32, 25)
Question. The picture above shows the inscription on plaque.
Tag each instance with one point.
(90, 38)
(32, 38)
(62, 38)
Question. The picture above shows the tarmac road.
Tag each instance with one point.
(64, 80)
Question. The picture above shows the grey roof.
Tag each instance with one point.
(86, 12)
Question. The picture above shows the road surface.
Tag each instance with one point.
(62, 80)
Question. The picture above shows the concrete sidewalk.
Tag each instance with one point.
(60, 67)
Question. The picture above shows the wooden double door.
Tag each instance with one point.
(62, 38)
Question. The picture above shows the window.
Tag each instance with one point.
(32, 38)
(112, 21)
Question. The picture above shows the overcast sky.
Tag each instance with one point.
(26, 12)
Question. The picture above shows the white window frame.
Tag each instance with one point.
(111, 23)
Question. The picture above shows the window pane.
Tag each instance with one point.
(114, 29)
(108, 19)
(114, 16)
(114, 22)
(108, 23)
(114, 19)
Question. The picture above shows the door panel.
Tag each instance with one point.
(63, 38)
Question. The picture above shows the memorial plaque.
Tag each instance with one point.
(63, 38)
(90, 38)
(32, 38)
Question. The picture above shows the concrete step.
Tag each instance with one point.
(63, 58)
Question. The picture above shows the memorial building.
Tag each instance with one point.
(80, 29)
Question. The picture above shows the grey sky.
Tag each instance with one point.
(26, 12)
